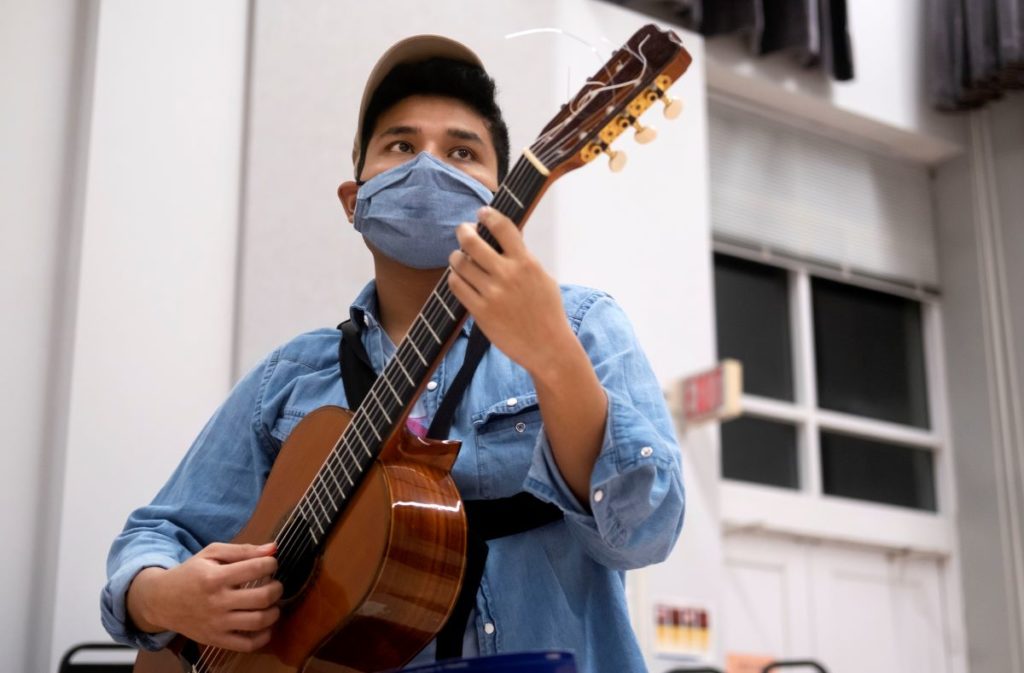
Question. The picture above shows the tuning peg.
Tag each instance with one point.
(616, 160)
(673, 106)
(644, 134)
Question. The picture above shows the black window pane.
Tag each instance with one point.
(869, 352)
(869, 470)
(752, 306)
(760, 451)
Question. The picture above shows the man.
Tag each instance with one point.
(563, 407)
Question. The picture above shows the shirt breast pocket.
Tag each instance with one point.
(286, 423)
(506, 434)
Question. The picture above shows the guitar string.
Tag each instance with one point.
(215, 656)
(284, 550)
(420, 330)
(333, 454)
(333, 473)
(380, 414)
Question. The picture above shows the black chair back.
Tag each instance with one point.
(115, 664)
(795, 663)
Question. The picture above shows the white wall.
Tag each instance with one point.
(153, 332)
(979, 202)
(39, 43)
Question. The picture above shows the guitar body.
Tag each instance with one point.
(388, 573)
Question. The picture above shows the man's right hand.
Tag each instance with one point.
(223, 596)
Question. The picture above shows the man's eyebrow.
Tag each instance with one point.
(400, 131)
(463, 134)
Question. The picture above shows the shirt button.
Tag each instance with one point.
(511, 401)
(646, 452)
(598, 495)
(488, 628)
(432, 385)
(520, 427)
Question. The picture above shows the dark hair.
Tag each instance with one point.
(438, 77)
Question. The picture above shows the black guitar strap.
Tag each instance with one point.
(486, 519)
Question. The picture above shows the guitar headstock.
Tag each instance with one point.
(636, 77)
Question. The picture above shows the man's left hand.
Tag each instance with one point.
(516, 302)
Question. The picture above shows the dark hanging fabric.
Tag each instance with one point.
(815, 30)
(976, 51)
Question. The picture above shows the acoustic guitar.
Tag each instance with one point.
(370, 530)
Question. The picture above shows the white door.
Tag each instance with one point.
(766, 606)
(853, 609)
(878, 611)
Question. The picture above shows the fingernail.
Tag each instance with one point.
(483, 211)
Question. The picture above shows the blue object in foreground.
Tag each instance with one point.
(525, 662)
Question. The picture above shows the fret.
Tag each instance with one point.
(443, 303)
(359, 436)
(380, 406)
(310, 514)
(316, 494)
(412, 342)
(345, 470)
(504, 188)
(332, 474)
(374, 431)
(397, 360)
(398, 398)
(432, 332)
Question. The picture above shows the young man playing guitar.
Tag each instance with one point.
(563, 424)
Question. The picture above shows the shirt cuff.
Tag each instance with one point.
(115, 611)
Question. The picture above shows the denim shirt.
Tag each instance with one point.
(560, 586)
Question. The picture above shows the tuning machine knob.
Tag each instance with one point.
(673, 106)
(616, 160)
(644, 134)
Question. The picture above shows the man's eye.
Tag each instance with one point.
(462, 153)
(401, 146)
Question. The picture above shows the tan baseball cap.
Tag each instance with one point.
(410, 50)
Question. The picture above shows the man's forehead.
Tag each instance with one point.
(456, 132)
(431, 114)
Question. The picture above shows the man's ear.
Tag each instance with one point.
(347, 195)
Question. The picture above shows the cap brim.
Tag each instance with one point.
(410, 50)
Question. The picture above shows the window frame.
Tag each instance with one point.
(808, 512)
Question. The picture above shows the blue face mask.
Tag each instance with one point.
(410, 212)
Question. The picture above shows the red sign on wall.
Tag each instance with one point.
(713, 394)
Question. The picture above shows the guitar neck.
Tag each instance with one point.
(387, 404)
(637, 76)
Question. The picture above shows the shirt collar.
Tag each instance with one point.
(364, 311)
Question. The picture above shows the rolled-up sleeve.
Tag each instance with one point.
(637, 501)
(209, 496)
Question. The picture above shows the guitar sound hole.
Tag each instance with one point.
(296, 558)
